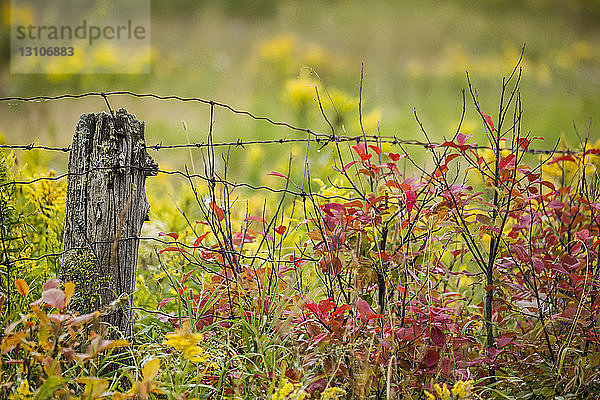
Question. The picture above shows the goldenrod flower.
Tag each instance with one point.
(288, 390)
(186, 341)
(370, 122)
(428, 395)
(278, 48)
(300, 91)
(462, 389)
(23, 392)
(442, 391)
(332, 393)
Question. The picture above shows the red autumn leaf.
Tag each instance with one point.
(351, 163)
(341, 309)
(505, 161)
(365, 312)
(200, 238)
(187, 275)
(334, 208)
(376, 149)
(360, 149)
(331, 265)
(365, 172)
(54, 297)
(403, 290)
(556, 205)
(298, 262)
(354, 203)
(431, 358)
(538, 265)
(164, 301)
(280, 229)
(520, 252)
(363, 308)
(312, 307)
(279, 174)
(437, 336)
(568, 157)
(326, 304)
(396, 156)
(392, 184)
(172, 234)
(489, 121)
(172, 248)
(451, 157)
(549, 185)
(441, 170)
(524, 143)
(503, 341)
(218, 211)
(461, 138)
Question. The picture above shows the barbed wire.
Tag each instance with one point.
(231, 184)
(313, 136)
(323, 142)
(105, 96)
(184, 247)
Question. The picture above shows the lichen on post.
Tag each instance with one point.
(106, 206)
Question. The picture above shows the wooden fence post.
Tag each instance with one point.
(105, 208)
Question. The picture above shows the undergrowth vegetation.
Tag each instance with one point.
(472, 275)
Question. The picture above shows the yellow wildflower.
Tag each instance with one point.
(288, 390)
(370, 122)
(186, 341)
(462, 389)
(23, 392)
(428, 395)
(332, 393)
(277, 48)
(342, 102)
(442, 391)
(300, 91)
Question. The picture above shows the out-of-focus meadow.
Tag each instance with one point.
(266, 57)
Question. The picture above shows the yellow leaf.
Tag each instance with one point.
(94, 387)
(22, 287)
(151, 369)
(11, 341)
(69, 291)
(111, 344)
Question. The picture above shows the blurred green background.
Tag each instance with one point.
(265, 56)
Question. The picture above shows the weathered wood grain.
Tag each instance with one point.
(106, 206)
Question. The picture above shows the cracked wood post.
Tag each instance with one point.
(106, 206)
